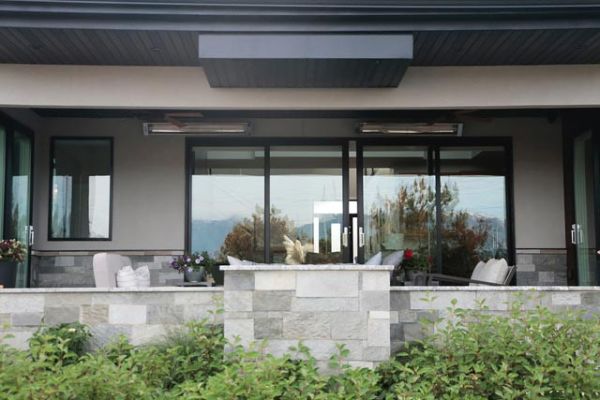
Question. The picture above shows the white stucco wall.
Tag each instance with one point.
(149, 178)
(148, 186)
(186, 87)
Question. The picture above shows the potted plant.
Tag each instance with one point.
(12, 252)
(194, 266)
(416, 266)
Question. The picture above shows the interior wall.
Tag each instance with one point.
(149, 178)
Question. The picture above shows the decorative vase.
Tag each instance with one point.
(8, 274)
(190, 275)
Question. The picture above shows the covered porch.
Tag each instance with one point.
(496, 190)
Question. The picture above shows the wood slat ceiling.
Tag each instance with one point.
(169, 48)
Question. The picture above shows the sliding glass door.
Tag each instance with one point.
(299, 189)
(16, 148)
(584, 230)
(449, 203)
(398, 199)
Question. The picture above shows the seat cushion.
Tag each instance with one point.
(477, 273)
(494, 271)
(106, 266)
(375, 260)
(394, 258)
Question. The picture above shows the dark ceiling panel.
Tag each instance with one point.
(304, 61)
(118, 47)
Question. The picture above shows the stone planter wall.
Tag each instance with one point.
(56, 269)
(410, 305)
(142, 315)
(322, 306)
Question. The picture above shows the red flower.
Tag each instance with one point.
(408, 254)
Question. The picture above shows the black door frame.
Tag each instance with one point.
(10, 125)
(575, 123)
(266, 143)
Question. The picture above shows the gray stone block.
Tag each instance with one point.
(327, 283)
(239, 280)
(325, 304)
(348, 325)
(95, 314)
(298, 326)
(26, 319)
(238, 300)
(375, 300)
(376, 353)
(280, 300)
(168, 314)
(60, 315)
(397, 332)
(413, 332)
(399, 301)
(268, 328)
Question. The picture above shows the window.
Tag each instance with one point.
(227, 206)
(81, 189)
(447, 202)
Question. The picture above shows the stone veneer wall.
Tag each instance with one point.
(541, 267)
(74, 269)
(409, 305)
(322, 306)
(142, 315)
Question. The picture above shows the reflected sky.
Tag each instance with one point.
(222, 197)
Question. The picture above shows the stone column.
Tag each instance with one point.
(320, 305)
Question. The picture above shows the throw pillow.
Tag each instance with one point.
(375, 260)
(394, 258)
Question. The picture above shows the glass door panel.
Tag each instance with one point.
(2, 174)
(18, 205)
(307, 205)
(473, 207)
(398, 199)
(583, 233)
(227, 204)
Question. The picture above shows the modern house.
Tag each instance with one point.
(461, 129)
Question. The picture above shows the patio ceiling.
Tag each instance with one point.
(170, 48)
(159, 32)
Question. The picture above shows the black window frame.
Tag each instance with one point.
(434, 143)
(53, 140)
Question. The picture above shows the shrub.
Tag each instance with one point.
(527, 355)
(477, 355)
(61, 344)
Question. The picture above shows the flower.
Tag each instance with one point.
(408, 254)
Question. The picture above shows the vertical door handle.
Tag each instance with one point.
(30, 235)
(361, 237)
(345, 237)
(574, 234)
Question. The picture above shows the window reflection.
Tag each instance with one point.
(306, 204)
(81, 188)
(399, 200)
(227, 202)
(473, 204)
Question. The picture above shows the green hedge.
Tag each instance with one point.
(478, 355)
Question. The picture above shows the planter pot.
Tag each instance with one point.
(8, 274)
(190, 275)
(418, 278)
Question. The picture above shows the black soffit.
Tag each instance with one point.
(180, 48)
(304, 61)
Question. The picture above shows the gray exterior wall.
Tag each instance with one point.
(149, 186)
(143, 315)
(410, 306)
